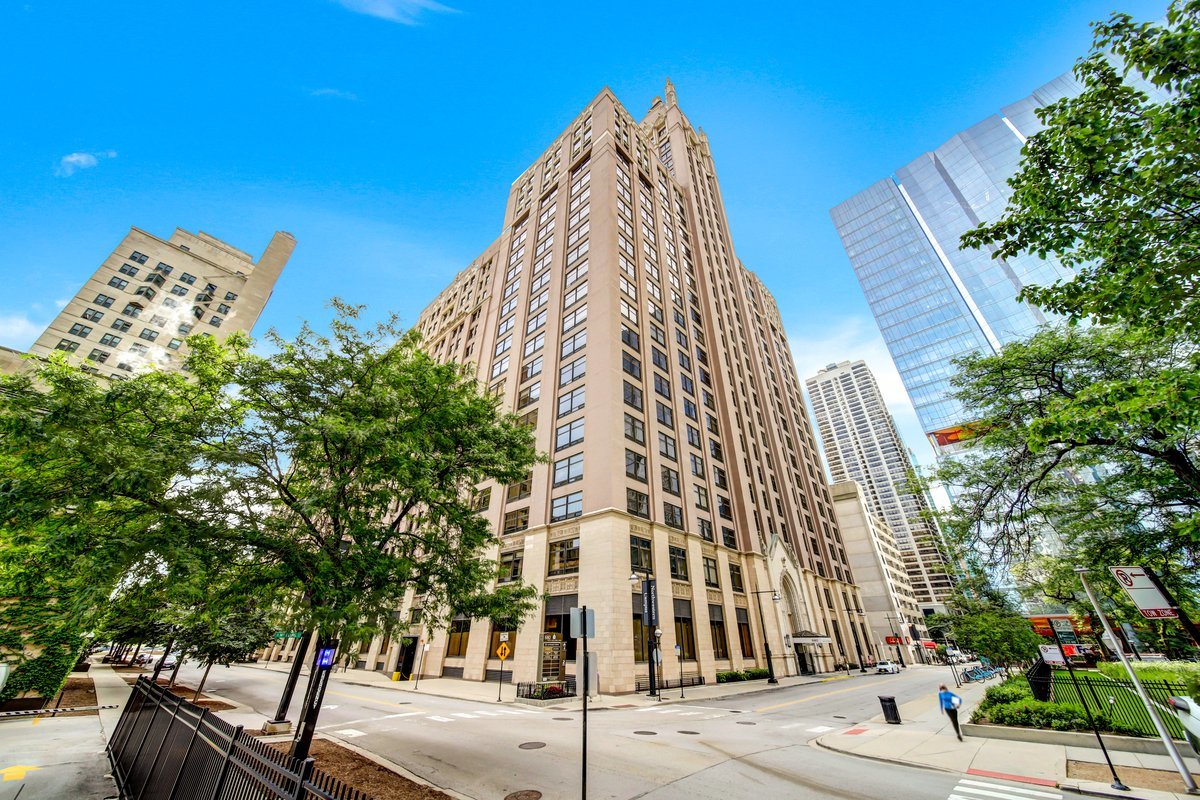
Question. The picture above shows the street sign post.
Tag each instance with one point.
(502, 652)
(583, 626)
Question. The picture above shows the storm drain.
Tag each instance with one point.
(645, 733)
(531, 746)
(524, 794)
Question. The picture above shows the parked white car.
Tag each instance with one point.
(887, 667)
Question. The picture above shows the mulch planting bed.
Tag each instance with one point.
(1132, 776)
(360, 772)
(77, 692)
(187, 693)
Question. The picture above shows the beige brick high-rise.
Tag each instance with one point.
(151, 293)
(613, 314)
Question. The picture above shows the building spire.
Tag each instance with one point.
(671, 99)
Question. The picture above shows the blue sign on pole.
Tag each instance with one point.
(325, 659)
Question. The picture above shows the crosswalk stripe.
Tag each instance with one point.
(487, 713)
(441, 719)
(966, 783)
(465, 716)
(971, 793)
(691, 713)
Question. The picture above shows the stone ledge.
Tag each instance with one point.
(1127, 744)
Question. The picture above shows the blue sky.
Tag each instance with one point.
(384, 134)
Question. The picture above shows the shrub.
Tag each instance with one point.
(730, 677)
(1038, 714)
(754, 673)
(1180, 673)
(1012, 690)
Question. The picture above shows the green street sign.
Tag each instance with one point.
(282, 635)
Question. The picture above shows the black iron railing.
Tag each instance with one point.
(642, 682)
(167, 748)
(547, 690)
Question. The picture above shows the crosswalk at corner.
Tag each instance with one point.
(992, 789)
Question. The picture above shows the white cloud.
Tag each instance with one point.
(19, 331)
(73, 162)
(852, 339)
(406, 12)
(338, 93)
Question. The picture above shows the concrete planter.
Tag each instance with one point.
(1128, 744)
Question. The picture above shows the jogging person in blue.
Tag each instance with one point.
(950, 703)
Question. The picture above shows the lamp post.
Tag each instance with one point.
(892, 625)
(862, 667)
(766, 642)
(649, 623)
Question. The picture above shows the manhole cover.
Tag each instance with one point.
(837, 716)
(740, 722)
(404, 703)
(646, 733)
(561, 719)
(531, 746)
(524, 794)
(691, 733)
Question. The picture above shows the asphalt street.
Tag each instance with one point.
(752, 746)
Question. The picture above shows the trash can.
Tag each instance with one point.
(891, 713)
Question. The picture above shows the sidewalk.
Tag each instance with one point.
(926, 739)
(486, 692)
(64, 756)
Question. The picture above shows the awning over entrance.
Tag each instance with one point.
(809, 637)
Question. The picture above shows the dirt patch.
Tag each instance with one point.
(360, 772)
(76, 692)
(187, 693)
(1133, 776)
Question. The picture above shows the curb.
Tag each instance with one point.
(403, 772)
(818, 744)
(1066, 787)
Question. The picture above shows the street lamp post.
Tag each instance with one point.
(649, 623)
(766, 642)
(892, 625)
(862, 667)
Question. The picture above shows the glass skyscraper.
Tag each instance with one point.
(934, 301)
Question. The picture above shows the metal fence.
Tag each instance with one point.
(1116, 699)
(546, 690)
(167, 748)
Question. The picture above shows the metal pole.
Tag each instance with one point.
(681, 673)
(766, 642)
(650, 625)
(420, 663)
(289, 688)
(892, 625)
(1158, 724)
(320, 679)
(500, 688)
(583, 630)
(158, 665)
(1116, 784)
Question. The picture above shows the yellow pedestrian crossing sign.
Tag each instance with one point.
(502, 651)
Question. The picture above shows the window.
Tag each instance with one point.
(724, 508)
(744, 637)
(656, 333)
(566, 507)
(568, 470)
(629, 337)
(710, 573)
(184, 329)
(517, 520)
(564, 556)
(631, 365)
(662, 386)
(133, 310)
(685, 633)
(109, 340)
(735, 578)
(510, 567)
(121, 325)
(689, 386)
(673, 515)
(146, 292)
(633, 395)
(572, 371)
(230, 296)
(729, 538)
(138, 257)
(575, 295)
(139, 349)
(118, 283)
(658, 357)
(165, 269)
(521, 489)
(103, 300)
(534, 322)
(529, 419)
(666, 446)
(175, 344)
(503, 345)
(635, 465)
(99, 356)
(158, 321)
(576, 317)
(500, 367)
(629, 312)
(716, 630)
(67, 345)
(670, 480)
(569, 434)
(529, 395)
(706, 529)
(92, 315)
(179, 290)
(697, 465)
(677, 557)
(664, 415)
(531, 368)
(571, 402)
(128, 269)
(634, 429)
(719, 478)
(148, 334)
(79, 329)
(714, 450)
(637, 503)
(534, 344)
(701, 497)
(188, 279)
(641, 558)
(457, 636)
(481, 500)
(574, 343)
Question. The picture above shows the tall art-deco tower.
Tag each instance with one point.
(614, 317)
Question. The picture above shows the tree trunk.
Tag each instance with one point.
(203, 680)
(175, 672)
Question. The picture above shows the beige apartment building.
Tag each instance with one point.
(614, 317)
(151, 293)
(896, 623)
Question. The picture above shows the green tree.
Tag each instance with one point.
(1110, 186)
(984, 622)
(219, 634)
